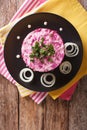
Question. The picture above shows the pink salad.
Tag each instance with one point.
(43, 50)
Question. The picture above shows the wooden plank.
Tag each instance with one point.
(8, 105)
(78, 105)
(84, 3)
(56, 115)
(7, 10)
(49, 115)
(8, 92)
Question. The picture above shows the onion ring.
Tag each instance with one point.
(23, 76)
(73, 51)
(46, 83)
(65, 67)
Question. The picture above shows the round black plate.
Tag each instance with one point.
(13, 47)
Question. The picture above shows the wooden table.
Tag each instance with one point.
(18, 113)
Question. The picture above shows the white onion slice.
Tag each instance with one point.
(65, 67)
(73, 51)
(23, 76)
(46, 83)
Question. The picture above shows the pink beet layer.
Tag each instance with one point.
(50, 37)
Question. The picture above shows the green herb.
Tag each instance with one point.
(41, 51)
(50, 50)
(32, 55)
(42, 40)
(50, 60)
(37, 55)
(32, 60)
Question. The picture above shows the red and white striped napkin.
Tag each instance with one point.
(38, 97)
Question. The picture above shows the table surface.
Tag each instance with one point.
(18, 113)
